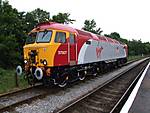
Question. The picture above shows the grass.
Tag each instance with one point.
(135, 57)
(7, 81)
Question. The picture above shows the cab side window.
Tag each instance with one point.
(72, 38)
(60, 37)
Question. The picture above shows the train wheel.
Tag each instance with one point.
(95, 74)
(119, 63)
(95, 71)
(82, 75)
(98, 70)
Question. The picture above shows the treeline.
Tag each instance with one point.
(136, 47)
(15, 25)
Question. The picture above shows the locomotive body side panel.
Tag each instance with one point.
(100, 51)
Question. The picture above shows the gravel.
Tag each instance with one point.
(62, 97)
(20, 96)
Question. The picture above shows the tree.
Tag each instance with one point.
(8, 18)
(90, 25)
(40, 15)
(136, 47)
(116, 36)
(147, 48)
(62, 18)
(11, 34)
(31, 19)
(9, 53)
(14, 27)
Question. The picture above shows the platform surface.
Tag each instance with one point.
(141, 103)
(139, 100)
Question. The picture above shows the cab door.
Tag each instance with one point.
(73, 48)
(61, 47)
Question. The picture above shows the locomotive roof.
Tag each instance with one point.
(53, 25)
(58, 26)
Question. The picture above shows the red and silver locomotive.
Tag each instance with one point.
(56, 53)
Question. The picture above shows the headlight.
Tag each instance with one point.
(25, 61)
(44, 62)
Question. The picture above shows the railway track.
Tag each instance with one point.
(10, 100)
(109, 97)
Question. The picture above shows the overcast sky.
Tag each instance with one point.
(130, 18)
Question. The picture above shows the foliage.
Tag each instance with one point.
(136, 47)
(136, 57)
(14, 27)
(31, 19)
(11, 36)
(90, 25)
(62, 18)
(40, 15)
(8, 49)
(116, 36)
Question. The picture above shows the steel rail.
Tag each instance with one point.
(127, 91)
(17, 91)
(7, 100)
(96, 89)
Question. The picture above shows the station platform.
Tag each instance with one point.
(139, 99)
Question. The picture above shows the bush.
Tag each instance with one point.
(8, 51)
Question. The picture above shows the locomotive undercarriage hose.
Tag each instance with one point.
(31, 79)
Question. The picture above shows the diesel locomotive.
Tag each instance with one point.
(57, 54)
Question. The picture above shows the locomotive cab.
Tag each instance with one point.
(49, 45)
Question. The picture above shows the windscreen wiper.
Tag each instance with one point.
(45, 32)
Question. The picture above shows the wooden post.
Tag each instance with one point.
(16, 80)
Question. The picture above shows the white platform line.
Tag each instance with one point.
(132, 96)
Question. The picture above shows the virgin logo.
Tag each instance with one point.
(98, 51)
